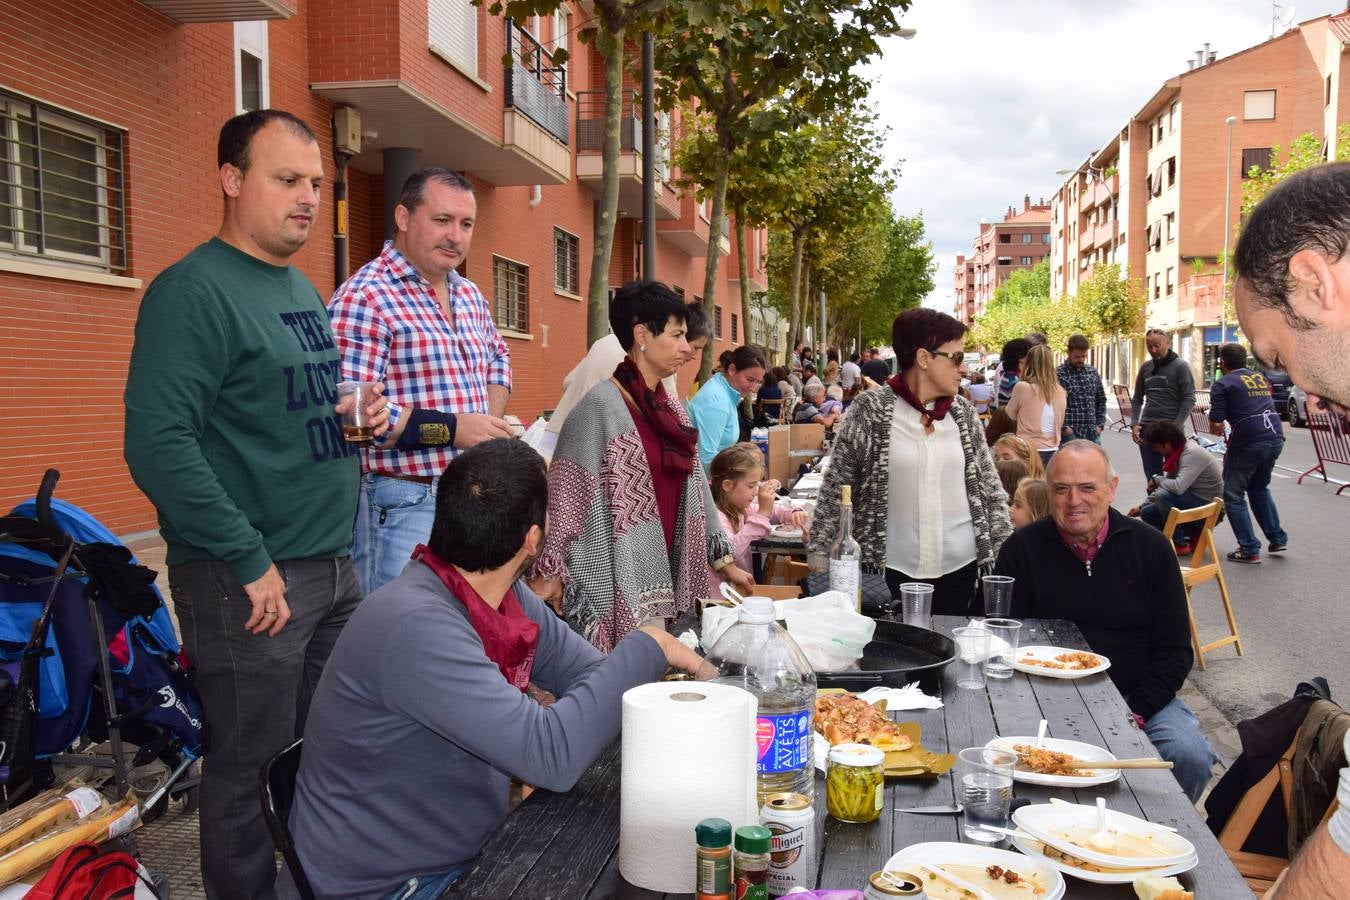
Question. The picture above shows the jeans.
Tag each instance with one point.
(1087, 434)
(1246, 474)
(392, 517)
(427, 887)
(255, 694)
(1175, 731)
(1151, 460)
(1155, 512)
(1046, 456)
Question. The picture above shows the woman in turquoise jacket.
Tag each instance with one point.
(713, 409)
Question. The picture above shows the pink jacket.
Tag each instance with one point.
(753, 527)
(1026, 409)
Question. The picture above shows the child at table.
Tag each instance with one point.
(745, 501)
(1030, 502)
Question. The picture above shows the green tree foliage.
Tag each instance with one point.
(1305, 151)
(1111, 305)
(1105, 305)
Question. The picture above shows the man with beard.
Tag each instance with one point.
(408, 319)
(1164, 391)
(421, 718)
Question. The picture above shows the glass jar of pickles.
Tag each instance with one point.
(855, 782)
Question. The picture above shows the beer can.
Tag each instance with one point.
(792, 858)
(892, 883)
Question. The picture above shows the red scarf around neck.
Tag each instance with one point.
(927, 415)
(679, 441)
(1173, 461)
(509, 637)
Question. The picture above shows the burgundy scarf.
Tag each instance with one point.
(1173, 461)
(678, 440)
(509, 637)
(927, 416)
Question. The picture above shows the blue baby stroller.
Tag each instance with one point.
(87, 655)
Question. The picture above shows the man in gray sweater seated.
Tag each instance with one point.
(1190, 476)
(420, 718)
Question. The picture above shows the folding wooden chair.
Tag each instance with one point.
(1201, 571)
(772, 408)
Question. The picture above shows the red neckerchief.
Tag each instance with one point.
(678, 440)
(926, 416)
(1089, 553)
(509, 637)
(1173, 461)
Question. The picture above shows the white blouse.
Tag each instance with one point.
(929, 531)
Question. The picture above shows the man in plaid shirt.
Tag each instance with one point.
(1085, 411)
(408, 319)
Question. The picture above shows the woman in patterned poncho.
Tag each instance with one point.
(630, 537)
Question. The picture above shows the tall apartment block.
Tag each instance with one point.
(109, 113)
(1018, 242)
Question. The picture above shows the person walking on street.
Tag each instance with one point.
(1243, 398)
(408, 319)
(1085, 411)
(231, 432)
(1166, 383)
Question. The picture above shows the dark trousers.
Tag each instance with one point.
(1149, 458)
(255, 692)
(953, 593)
(1246, 474)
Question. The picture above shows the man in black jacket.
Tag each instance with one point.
(1119, 581)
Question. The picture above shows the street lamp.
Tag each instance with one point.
(1227, 211)
(907, 33)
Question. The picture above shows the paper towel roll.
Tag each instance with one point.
(688, 755)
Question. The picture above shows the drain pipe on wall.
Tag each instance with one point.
(536, 195)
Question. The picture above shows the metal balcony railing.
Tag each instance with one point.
(534, 86)
(591, 122)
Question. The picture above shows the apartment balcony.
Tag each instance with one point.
(590, 161)
(689, 233)
(1103, 235)
(405, 107)
(1085, 239)
(194, 11)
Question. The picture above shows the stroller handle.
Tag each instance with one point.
(43, 505)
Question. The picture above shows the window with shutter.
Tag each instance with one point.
(1258, 105)
(452, 32)
(1255, 158)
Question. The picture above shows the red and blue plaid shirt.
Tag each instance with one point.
(390, 327)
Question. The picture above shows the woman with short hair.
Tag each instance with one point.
(928, 503)
(630, 529)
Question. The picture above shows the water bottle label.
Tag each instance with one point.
(783, 742)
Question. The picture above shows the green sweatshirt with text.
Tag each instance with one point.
(230, 429)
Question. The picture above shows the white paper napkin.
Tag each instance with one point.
(997, 645)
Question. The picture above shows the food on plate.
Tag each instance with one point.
(1048, 762)
(1161, 889)
(846, 719)
(952, 881)
(1056, 854)
(1073, 661)
(1127, 844)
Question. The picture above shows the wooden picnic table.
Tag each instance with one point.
(566, 845)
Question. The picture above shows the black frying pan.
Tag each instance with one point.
(897, 655)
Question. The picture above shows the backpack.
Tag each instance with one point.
(85, 871)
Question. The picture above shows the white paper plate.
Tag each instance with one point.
(1073, 748)
(1049, 822)
(1033, 851)
(786, 532)
(1049, 653)
(936, 853)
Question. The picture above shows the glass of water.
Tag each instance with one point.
(998, 595)
(1002, 646)
(986, 791)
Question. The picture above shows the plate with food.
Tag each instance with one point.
(845, 718)
(1049, 764)
(786, 532)
(1086, 871)
(1059, 662)
(952, 871)
(1128, 842)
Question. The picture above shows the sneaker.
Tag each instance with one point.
(1278, 548)
(1183, 549)
(1240, 557)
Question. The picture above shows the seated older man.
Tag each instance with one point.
(811, 408)
(421, 719)
(1119, 581)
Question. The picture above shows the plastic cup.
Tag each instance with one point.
(1002, 646)
(985, 791)
(998, 594)
(916, 604)
(356, 427)
(972, 646)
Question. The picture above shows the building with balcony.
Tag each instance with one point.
(109, 114)
(1018, 242)
(963, 289)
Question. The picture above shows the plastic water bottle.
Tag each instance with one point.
(758, 655)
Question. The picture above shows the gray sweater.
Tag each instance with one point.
(1169, 389)
(1198, 472)
(413, 735)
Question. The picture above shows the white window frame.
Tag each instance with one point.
(1254, 105)
(562, 26)
(251, 38)
(452, 33)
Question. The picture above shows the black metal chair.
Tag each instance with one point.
(276, 784)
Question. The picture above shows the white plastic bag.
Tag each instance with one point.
(828, 628)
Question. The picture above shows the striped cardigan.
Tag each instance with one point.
(861, 458)
(605, 539)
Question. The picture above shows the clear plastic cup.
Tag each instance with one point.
(1002, 646)
(356, 427)
(972, 647)
(998, 594)
(916, 604)
(986, 786)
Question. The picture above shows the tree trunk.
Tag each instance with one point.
(795, 289)
(744, 266)
(808, 320)
(721, 170)
(597, 293)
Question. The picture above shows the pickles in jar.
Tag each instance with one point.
(855, 782)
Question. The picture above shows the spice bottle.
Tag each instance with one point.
(713, 840)
(752, 862)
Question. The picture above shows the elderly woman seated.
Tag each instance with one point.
(810, 409)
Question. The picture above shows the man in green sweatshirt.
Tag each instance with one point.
(233, 432)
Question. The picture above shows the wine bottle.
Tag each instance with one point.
(845, 554)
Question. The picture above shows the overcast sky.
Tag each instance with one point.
(992, 96)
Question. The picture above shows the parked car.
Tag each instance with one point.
(1280, 384)
(1297, 407)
